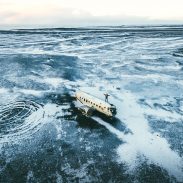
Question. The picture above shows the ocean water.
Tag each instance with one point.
(44, 138)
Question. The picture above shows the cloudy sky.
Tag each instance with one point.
(89, 12)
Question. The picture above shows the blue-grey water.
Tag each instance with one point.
(44, 138)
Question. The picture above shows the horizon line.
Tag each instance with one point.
(26, 27)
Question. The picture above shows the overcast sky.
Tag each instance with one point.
(89, 12)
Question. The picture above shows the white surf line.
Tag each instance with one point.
(3, 90)
(166, 115)
(55, 82)
(31, 92)
(113, 130)
(151, 145)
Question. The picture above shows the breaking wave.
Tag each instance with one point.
(18, 119)
(21, 119)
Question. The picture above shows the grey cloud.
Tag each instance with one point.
(66, 18)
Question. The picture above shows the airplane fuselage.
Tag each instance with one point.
(96, 103)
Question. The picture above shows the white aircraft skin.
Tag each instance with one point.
(95, 103)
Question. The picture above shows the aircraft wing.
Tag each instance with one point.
(86, 110)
